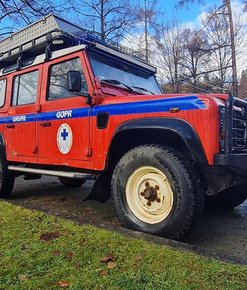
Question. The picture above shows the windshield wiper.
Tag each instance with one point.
(116, 83)
(143, 89)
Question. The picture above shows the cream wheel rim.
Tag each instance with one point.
(149, 194)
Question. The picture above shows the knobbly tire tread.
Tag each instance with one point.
(7, 179)
(186, 172)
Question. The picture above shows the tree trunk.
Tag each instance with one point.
(233, 49)
(146, 29)
(102, 20)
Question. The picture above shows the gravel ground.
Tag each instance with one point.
(221, 233)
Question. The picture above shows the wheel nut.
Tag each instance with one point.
(157, 187)
(142, 193)
(149, 203)
(158, 199)
(147, 183)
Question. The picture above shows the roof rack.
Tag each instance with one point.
(48, 34)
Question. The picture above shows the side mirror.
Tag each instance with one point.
(74, 81)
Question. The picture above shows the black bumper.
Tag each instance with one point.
(236, 162)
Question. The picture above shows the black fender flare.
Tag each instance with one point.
(177, 126)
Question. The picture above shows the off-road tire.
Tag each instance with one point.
(71, 182)
(7, 178)
(188, 198)
(227, 199)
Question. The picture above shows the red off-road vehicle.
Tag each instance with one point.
(76, 108)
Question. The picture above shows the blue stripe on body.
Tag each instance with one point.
(152, 106)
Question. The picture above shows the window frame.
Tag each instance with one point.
(13, 84)
(49, 80)
(5, 91)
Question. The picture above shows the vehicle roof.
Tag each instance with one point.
(51, 37)
(98, 47)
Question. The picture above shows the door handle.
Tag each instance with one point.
(45, 124)
(12, 126)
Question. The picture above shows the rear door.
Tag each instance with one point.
(63, 125)
(20, 126)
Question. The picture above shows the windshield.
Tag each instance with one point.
(109, 68)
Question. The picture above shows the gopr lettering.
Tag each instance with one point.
(64, 114)
(19, 119)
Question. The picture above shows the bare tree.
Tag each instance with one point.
(15, 13)
(110, 18)
(170, 55)
(218, 35)
(229, 17)
(194, 57)
(147, 14)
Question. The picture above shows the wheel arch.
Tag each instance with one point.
(175, 133)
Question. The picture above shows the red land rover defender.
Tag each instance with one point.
(75, 108)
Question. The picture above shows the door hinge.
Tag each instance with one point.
(35, 150)
(89, 151)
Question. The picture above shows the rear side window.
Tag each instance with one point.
(58, 79)
(3, 84)
(25, 88)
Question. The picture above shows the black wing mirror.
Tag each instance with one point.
(74, 81)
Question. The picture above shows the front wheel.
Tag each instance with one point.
(155, 191)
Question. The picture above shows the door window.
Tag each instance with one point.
(2, 91)
(25, 88)
(58, 80)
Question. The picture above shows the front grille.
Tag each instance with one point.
(239, 130)
(233, 126)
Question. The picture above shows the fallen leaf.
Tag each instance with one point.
(111, 265)
(103, 273)
(107, 259)
(63, 284)
(69, 254)
(50, 236)
(56, 253)
(23, 278)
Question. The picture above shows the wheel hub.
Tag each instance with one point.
(150, 193)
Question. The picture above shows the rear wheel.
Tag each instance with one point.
(155, 191)
(227, 199)
(71, 182)
(7, 179)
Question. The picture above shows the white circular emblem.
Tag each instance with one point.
(64, 138)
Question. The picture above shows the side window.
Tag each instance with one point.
(58, 79)
(25, 88)
(2, 91)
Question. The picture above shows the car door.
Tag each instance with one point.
(20, 127)
(63, 125)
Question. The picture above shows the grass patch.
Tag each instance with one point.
(38, 251)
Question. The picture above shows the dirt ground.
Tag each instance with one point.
(221, 233)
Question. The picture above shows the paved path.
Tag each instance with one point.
(224, 233)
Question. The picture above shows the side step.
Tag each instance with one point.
(77, 175)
